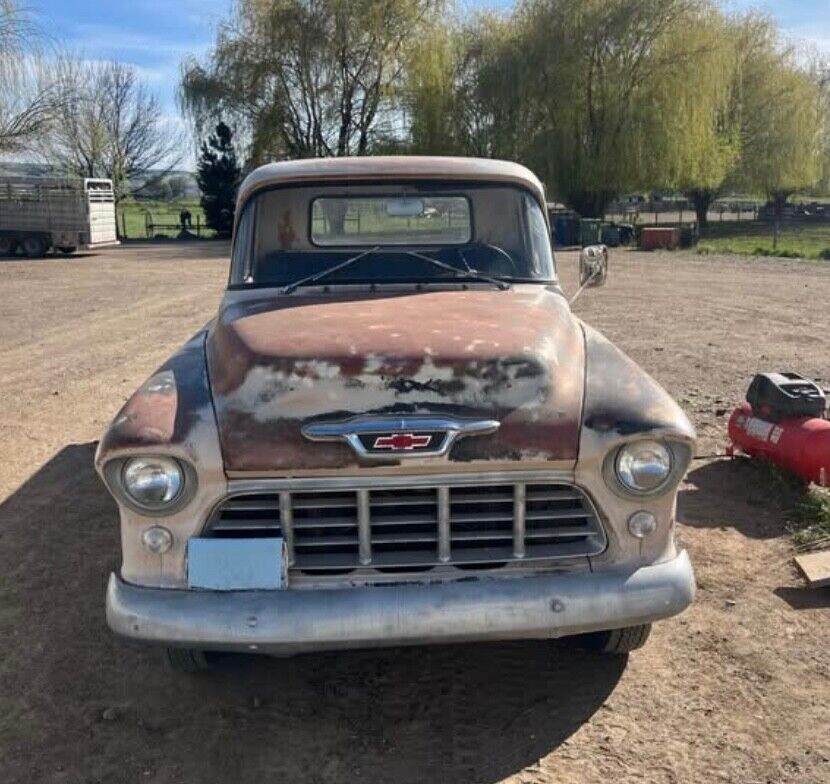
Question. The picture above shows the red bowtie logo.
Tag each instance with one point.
(402, 441)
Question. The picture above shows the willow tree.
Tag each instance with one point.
(460, 90)
(693, 117)
(590, 71)
(431, 91)
(27, 100)
(820, 71)
(306, 78)
(780, 123)
(499, 118)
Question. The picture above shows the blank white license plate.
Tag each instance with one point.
(236, 564)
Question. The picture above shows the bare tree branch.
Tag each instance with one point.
(109, 125)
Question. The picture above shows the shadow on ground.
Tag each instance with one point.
(805, 598)
(732, 493)
(79, 705)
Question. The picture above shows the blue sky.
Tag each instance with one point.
(155, 35)
(807, 21)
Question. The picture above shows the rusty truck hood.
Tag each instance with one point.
(277, 363)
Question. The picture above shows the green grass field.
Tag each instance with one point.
(810, 241)
(133, 216)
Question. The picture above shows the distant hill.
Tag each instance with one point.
(8, 169)
(176, 184)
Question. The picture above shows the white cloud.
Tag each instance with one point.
(200, 13)
(105, 41)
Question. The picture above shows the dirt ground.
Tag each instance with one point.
(735, 690)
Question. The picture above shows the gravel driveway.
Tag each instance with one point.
(735, 690)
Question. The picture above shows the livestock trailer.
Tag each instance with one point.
(42, 213)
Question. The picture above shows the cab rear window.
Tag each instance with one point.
(343, 221)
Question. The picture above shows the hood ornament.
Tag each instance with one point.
(394, 438)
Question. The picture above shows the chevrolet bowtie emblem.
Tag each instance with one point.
(396, 441)
(388, 438)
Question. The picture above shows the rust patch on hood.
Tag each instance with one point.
(277, 362)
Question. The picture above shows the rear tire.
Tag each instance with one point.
(615, 641)
(34, 247)
(188, 660)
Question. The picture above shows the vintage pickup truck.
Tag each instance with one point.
(395, 432)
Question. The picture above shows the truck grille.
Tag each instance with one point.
(417, 528)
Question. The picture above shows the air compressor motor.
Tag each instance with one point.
(777, 396)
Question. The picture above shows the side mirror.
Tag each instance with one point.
(593, 266)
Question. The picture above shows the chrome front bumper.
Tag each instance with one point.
(292, 621)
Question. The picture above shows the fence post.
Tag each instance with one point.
(198, 225)
(123, 224)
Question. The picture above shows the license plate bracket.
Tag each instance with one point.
(237, 564)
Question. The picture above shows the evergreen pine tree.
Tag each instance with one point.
(218, 174)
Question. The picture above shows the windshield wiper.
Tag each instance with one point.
(468, 273)
(328, 271)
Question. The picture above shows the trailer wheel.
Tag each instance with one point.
(34, 247)
(67, 250)
(7, 246)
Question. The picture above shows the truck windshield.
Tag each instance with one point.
(416, 233)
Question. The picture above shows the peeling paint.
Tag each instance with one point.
(167, 408)
(316, 357)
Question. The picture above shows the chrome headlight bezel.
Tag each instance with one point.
(679, 453)
(154, 473)
(114, 472)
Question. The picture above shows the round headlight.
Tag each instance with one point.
(643, 466)
(152, 482)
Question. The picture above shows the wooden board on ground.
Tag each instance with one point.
(815, 567)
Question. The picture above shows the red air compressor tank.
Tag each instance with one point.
(800, 445)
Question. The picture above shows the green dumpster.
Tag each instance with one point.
(589, 231)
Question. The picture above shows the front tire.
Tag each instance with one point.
(188, 660)
(615, 641)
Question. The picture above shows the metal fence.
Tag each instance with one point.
(678, 211)
(143, 223)
(154, 228)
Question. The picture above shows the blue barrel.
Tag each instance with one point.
(565, 230)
